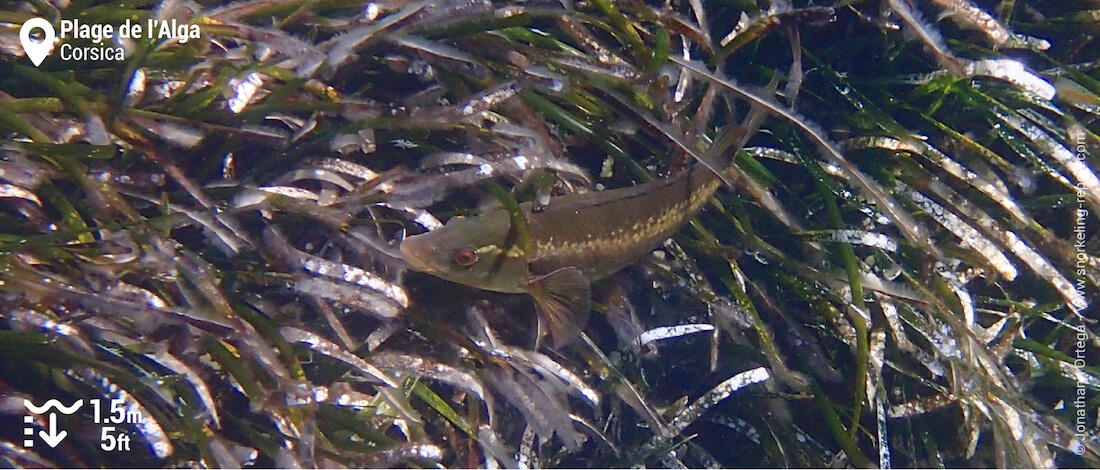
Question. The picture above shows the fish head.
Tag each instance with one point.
(474, 251)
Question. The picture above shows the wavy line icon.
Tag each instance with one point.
(53, 403)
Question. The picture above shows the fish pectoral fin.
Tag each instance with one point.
(563, 298)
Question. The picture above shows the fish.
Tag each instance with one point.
(576, 239)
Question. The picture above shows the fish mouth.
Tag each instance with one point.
(414, 261)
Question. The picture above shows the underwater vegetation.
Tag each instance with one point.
(900, 267)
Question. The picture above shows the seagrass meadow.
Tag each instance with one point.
(201, 241)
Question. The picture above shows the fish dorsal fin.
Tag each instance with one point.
(563, 298)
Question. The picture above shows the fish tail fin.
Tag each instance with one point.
(733, 137)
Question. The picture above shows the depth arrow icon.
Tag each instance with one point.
(54, 437)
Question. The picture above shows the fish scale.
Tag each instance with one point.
(604, 231)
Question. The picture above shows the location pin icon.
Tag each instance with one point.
(37, 51)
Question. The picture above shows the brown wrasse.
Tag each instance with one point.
(575, 239)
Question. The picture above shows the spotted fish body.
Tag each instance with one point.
(575, 239)
(603, 232)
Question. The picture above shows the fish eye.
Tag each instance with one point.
(465, 257)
